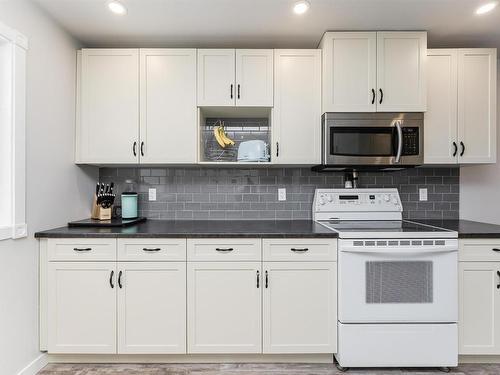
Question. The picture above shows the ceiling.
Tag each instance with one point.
(269, 23)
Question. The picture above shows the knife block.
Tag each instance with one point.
(98, 212)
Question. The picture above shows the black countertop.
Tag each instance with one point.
(200, 229)
(466, 228)
(248, 228)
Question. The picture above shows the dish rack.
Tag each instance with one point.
(237, 129)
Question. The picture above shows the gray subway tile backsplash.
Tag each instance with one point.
(204, 193)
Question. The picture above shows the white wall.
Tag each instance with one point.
(57, 190)
(480, 185)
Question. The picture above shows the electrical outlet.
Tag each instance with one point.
(152, 194)
(422, 194)
(282, 194)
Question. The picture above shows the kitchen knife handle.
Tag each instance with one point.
(120, 279)
(111, 279)
(134, 148)
(224, 250)
(82, 248)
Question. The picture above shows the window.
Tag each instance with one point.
(13, 48)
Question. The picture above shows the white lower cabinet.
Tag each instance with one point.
(81, 307)
(151, 307)
(300, 307)
(224, 307)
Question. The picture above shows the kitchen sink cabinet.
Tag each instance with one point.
(224, 307)
(300, 307)
(241, 77)
(297, 106)
(479, 297)
(374, 71)
(460, 122)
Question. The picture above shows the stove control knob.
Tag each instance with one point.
(329, 198)
(395, 200)
(386, 198)
(321, 201)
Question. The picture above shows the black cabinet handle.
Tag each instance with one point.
(303, 250)
(277, 149)
(381, 96)
(224, 250)
(258, 279)
(151, 250)
(455, 148)
(120, 279)
(134, 148)
(267, 280)
(373, 96)
(82, 249)
(142, 148)
(111, 279)
(463, 148)
(231, 90)
(495, 249)
(498, 274)
(238, 90)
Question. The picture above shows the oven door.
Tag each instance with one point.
(397, 284)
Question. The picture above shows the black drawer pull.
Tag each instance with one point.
(258, 279)
(495, 249)
(224, 250)
(303, 250)
(120, 279)
(267, 280)
(151, 250)
(82, 248)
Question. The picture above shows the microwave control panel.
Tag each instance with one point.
(410, 141)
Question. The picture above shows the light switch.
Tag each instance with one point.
(152, 194)
(422, 194)
(282, 194)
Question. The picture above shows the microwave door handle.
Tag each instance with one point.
(400, 141)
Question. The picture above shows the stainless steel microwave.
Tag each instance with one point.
(372, 139)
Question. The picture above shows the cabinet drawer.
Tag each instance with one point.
(479, 250)
(137, 249)
(300, 249)
(82, 249)
(224, 249)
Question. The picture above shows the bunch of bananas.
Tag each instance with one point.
(220, 135)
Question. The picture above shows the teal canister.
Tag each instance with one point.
(129, 205)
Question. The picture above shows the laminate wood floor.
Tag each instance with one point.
(248, 369)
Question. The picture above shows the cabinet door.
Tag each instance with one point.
(349, 71)
(224, 307)
(151, 307)
(168, 106)
(297, 106)
(81, 307)
(401, 71)
(108, 128)
(216, 77)
(477, 82)
(479, 308)
(254, 77)
(300, 307)
(440, 132)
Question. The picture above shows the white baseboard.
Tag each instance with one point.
(36, 365)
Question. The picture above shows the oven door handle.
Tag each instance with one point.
(397, 123)
(399, 251)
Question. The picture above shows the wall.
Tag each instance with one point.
(57, 190)
(223, 193)
(480, 185)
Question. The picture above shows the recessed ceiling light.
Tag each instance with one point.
(117, 7)
(301, 7)
(488, 7)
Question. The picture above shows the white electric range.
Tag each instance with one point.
(397, 282)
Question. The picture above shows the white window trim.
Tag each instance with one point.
(18, 227)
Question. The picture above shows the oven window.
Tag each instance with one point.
(399, 282)
(356, 141)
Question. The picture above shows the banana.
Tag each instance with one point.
(218, 137)
(227, 141)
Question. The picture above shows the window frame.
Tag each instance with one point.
(16, 226)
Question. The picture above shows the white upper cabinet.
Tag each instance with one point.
(228, 77)
(216, 77)
(168, 122)
(108, 115)
(460, 122)
(297, 106)
(477, 82)
(401, 71)
(349, 71)
(374, 71)
(440, 126)
(254, 77)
